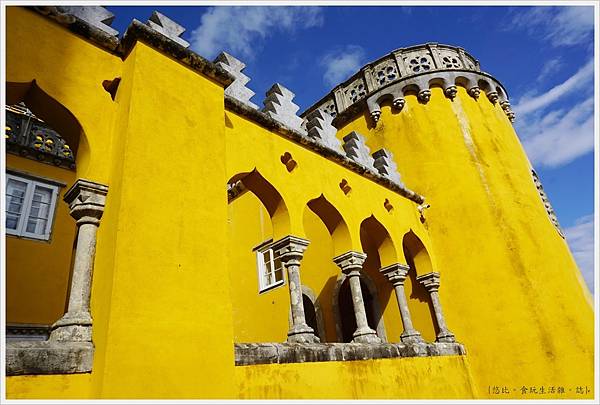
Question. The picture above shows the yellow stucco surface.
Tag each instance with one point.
(175, 280)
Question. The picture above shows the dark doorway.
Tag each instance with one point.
(346, 307)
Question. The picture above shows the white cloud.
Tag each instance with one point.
(341, 63)
(561, 136)
(239, 30)
(561, 26)
(555, 132)
(550, 67)
(580, 79)
(581, 240)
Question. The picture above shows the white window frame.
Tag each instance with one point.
(21, 230)
(263, 270)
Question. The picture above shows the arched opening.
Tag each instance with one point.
(42, 140)
(419, 303)
(346, 308)
(311, 314)
(257, 216)
(329, 236)
(46, 109)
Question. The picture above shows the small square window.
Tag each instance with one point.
(270, 269)
(29, 207)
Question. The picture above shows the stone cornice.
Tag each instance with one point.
(415, 68)
(274, 125)
(137, 31)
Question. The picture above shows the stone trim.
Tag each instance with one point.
(137, 31)
(297, 137)
(408, 66)
(48, 357)
(247, 354)
(27, 331)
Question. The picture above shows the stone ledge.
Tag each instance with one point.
(247, 354)
(48, 357)
(272, 124)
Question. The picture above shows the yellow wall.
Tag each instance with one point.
(175, 282)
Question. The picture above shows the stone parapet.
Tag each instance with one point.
(413, 69)
(247, 354)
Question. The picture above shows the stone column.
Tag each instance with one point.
(431, 281)
(351, 264)
(396, 274)
(290, 250)
(86, 201)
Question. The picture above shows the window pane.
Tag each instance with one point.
(12, 221)
(40, 210)
(15, 193)
(278, 275)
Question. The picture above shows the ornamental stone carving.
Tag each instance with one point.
(319, 128)
(418, 67)
(386, 166)
(356, 149)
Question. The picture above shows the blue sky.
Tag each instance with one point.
(542, 55)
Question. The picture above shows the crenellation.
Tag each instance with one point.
(169, 28)
(237, 89)
(279, 105)
(356, 149)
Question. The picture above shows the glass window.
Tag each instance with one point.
(29, 207)
(270, 269)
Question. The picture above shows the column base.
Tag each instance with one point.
(302, 334)
(445, 337)
(411, 336)
(365, 335)
(75, 327)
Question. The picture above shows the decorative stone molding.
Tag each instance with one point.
(356, 149)
(279, 105)
(167, 27)
(69, 348)
(16, 331)
(386, 166)
(416, 69)
(351, 264)
(28, 136)
(96, 16)
(237, 89)
(247, 354)
(431, 282)
(546, 201)
(319, 128)
(290, 251)
(396, 273)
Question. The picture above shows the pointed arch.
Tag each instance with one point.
(374, 234)
(415, 252)
(335, 223)
(268, 196)
(48, 109)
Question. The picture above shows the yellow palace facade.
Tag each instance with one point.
(168, 238)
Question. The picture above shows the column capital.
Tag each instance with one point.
(431, 281)
(290, 248)
(86, 201)
(396, 273)
(350, 262)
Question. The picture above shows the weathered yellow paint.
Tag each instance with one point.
(175, 280)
